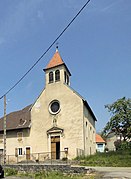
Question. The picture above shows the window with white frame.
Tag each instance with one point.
(19, 151)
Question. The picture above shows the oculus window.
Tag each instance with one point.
(54, 107)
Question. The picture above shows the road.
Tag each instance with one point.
(114, 172)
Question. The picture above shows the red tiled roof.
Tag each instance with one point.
(55, 61)
(99, 139)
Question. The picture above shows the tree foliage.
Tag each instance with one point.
(120, 121)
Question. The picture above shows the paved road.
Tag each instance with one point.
(114, 172)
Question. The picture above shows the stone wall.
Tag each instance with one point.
(30, 168)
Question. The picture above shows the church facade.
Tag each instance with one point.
(60, 120)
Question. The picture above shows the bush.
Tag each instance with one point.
(125, 145)
(10, 171)
(122, 145)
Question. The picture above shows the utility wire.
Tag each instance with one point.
(38, 60)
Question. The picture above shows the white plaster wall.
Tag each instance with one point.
(70, 118)
(90, 132)
(12, 141)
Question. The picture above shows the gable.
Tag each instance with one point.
(84, 102)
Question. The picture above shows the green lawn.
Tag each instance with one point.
(47, 175)
(110, 159)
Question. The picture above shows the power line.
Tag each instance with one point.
(38, 60)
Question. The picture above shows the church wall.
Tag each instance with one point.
(62, 70)
(70, 118)
(75, 124)
(89, 128)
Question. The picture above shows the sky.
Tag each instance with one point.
(96, 48)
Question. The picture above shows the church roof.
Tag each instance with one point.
(17, 120)
(55, 61)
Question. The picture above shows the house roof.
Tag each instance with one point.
(17, 120)
(99, 139)
(56, 61)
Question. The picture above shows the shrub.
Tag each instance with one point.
(10, 171)
(125, 145)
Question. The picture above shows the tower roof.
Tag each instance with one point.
(55, 61)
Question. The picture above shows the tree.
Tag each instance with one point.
(120, 121)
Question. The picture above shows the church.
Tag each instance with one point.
(60, 123)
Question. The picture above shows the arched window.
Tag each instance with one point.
(65, 76)
(67, 80)
(57, 75)
(51, 78)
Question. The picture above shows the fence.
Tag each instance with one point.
(79, 152)
(46, 157)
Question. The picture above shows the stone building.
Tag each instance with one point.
(60, 120)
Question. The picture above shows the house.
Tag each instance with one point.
(111, 138)
(100, 143)
(59, 122)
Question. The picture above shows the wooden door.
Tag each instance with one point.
(53, 150)
(55, 147)
(27, 153)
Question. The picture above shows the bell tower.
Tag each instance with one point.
(56, 71)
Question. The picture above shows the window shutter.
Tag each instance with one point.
(16, 152)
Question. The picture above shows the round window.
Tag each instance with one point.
(54, 107)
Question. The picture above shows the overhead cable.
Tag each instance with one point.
(38, 60)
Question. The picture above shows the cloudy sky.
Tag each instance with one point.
(96, 48)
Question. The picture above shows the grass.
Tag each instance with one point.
(46, 175)
(110, 159)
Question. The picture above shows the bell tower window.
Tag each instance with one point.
(67, 80)
(65, 76)
(51, 77)
(57, 75)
